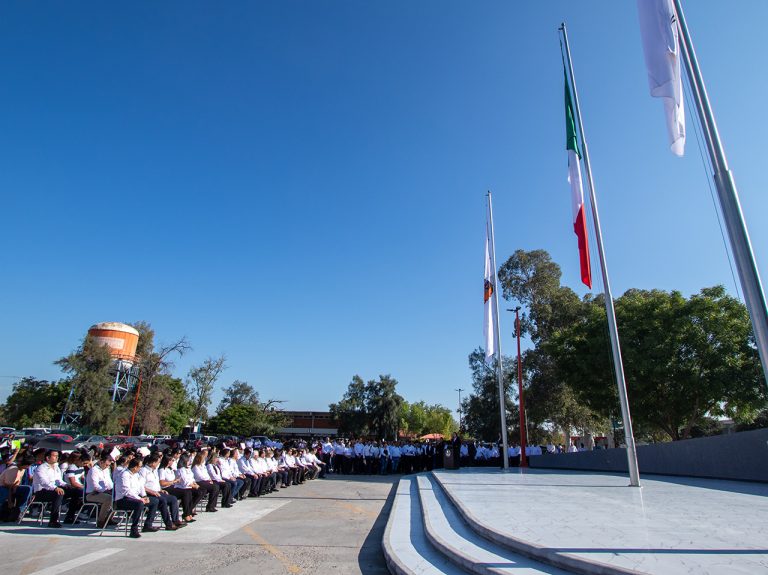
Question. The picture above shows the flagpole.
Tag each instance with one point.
(728, 195)
(618, 366)
(495, 295)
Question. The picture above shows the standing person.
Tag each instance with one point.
(98, 488)
(131, 497)
(456, 449)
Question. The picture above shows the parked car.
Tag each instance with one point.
(62, 436)
(259, 440)
(90, 442)
(125, 442)
(31, 435)
(5, 429)
(211, 439)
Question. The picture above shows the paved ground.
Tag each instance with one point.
(671, 526)
(325, 526)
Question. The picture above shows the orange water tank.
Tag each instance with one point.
(121, 339)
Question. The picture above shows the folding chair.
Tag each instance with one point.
(93, 510)
(43, 508)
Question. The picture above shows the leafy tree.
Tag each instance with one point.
(89, 369)
(239, 393)
(481, 408)
(156, 399)
(351, 412)
(182, 408)
(369, 408)
(35, 401)
(248, 419)
(201, 382)
(685, 360)
(421, 419)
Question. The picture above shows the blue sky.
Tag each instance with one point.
(300, 185)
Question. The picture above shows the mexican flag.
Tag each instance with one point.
(577, 193)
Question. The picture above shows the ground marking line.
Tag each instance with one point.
(272, 550)
(67, 565)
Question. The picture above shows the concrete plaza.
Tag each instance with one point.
(323, 526)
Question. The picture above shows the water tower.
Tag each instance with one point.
(121, 339)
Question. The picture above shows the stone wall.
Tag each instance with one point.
(741, 456)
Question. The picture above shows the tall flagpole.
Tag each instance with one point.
(618, 366)
(502, 395)
(738, 235)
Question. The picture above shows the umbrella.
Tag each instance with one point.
(433, 436)
(55, 443)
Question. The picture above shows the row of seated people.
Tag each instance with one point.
(173, 483)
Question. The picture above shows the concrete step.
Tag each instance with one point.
(556, 557)
(405, 545)
(450, 534)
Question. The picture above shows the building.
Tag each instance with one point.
(308, 423)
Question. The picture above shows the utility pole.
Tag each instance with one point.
(459, 390)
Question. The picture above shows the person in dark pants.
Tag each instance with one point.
(48, 485)
(456, 449)
(130, 497)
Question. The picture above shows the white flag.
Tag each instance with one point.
(489, 296)
(661, 46)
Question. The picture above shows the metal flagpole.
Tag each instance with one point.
(618, 366)
(502, 395)
(738, 235)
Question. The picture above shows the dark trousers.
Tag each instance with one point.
(50, 496)
(168, 506)
(134, 505)
(225, 488)
(246, 488)
(185, 497)
(154, 503)
(282, 475)
(212, 490)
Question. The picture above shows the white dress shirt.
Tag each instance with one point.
(131, 487)
(98, 480)
(185, 477)
(151, 479)
(200, 473)
(47, 477)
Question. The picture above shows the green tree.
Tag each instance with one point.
(239, 393)
(156, 399)
(351, 412)
(89, 370)
(685, 360)
(201, 382)
(481, 407)
(421, 418)
(383, 406)
(35, 401)
(182, 408)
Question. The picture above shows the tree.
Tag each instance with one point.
(201, 383)
(481, 408)
(248, 419)
(156, 399)
(239, 393)
(182, 408)
(35, 401)
(685, 360)
(351, 411)
(89, 367)
(371, 408)
(419, 419)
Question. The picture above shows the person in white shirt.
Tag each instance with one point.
(48, 485)
(235, 483)
(233, 460)
(98, 488)
(205, 483)
(162, 500)
(132, 497)
(185, 480)
(328, 454)
(338, 456)
(225, 488)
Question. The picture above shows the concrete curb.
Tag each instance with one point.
(536, 552)
(395, 566)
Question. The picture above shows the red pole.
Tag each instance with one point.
(523, 459)
(135, 404)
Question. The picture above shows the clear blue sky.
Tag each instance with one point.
(300, 185)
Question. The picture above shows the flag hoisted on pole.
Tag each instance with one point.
(661, 47)
(577, 192)
(618, 365)
(491, 329)
(669, 15)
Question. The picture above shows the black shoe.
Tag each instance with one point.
(150, 529)
(171, 527)
(135, 534)
(180, 524)
(227, 506)
(55, 525)
(211, 510)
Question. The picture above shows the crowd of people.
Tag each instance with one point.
(137, 485)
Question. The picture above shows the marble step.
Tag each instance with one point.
(405, 545)
(451, 535)
(547, 555)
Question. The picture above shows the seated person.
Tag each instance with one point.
(14, 497)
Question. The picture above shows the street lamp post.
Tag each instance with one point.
(459, 410)
(523, 425)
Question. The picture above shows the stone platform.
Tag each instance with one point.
(526, 522)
